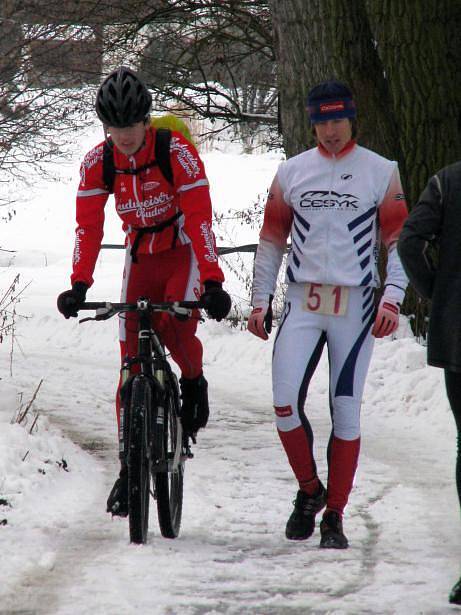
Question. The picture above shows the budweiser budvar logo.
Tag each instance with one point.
(207, 235)
(77, 249)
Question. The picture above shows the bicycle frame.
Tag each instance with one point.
(148, 343)
(154, 364)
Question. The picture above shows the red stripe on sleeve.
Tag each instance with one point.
(278, 217)
(392, 211)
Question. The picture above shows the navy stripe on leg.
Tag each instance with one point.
(345, 384)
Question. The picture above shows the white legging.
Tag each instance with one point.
(298, 346)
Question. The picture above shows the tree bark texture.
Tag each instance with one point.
(419, 44)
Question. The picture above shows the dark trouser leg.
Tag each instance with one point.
(453, 386)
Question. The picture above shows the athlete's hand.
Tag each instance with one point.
(216, 301)
(260, 321)
(387, 318)
(70, 301)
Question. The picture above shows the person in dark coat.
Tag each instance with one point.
(430, 250)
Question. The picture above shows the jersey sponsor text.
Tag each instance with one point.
(207, 235)
(328, 199)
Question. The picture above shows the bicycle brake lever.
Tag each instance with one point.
(104, 313)
(101, 314)
(82, 320)
(182, 313)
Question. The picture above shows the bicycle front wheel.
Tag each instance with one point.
(138, 459)
(169, 485)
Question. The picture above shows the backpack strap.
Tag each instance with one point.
(162, 159)
(162, 153)
(108, 167)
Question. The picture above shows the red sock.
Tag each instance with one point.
(298, 450)
(342, 465)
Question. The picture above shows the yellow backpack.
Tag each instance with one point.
(173, 123)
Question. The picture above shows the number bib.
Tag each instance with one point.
(326, 299)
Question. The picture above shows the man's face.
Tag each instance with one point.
(128, 140)
(334, 134)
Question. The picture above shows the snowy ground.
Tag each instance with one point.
(61, 554)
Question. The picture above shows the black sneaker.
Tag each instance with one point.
(194, 409)
(301, 523)
(331, 531)
(455, 594)
(117, 502)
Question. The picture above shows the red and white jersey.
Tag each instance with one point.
(337, 209)
(147, 199)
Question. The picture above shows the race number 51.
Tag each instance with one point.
(326, 299)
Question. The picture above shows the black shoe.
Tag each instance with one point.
(331, 531)
(455, 594)
(301, 523)
(117, 502)
(194, 409)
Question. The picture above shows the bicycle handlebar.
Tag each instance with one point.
(107, 309)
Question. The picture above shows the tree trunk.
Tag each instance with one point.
(419, 46)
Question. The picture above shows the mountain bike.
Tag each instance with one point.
(152, 443)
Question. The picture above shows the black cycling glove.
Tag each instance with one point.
(215, 300)
(70, 301)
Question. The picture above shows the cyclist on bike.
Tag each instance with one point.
(338, 201)
(170, 246)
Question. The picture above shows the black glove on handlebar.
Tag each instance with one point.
(216, 301)
(70, 301)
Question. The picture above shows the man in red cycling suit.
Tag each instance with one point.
(170, 246)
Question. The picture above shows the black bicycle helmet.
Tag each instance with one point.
(122, 99)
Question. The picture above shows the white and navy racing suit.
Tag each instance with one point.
(337, 209)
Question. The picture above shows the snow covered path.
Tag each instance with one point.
(231, 556)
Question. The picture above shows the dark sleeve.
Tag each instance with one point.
(421, 228)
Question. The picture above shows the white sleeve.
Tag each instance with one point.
(266, 268)
(396, 278)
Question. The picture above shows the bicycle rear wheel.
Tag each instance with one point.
(138, 459)
(169, 485)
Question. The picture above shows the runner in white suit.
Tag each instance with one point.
(338, 201)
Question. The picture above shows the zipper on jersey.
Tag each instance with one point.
(332, 176)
